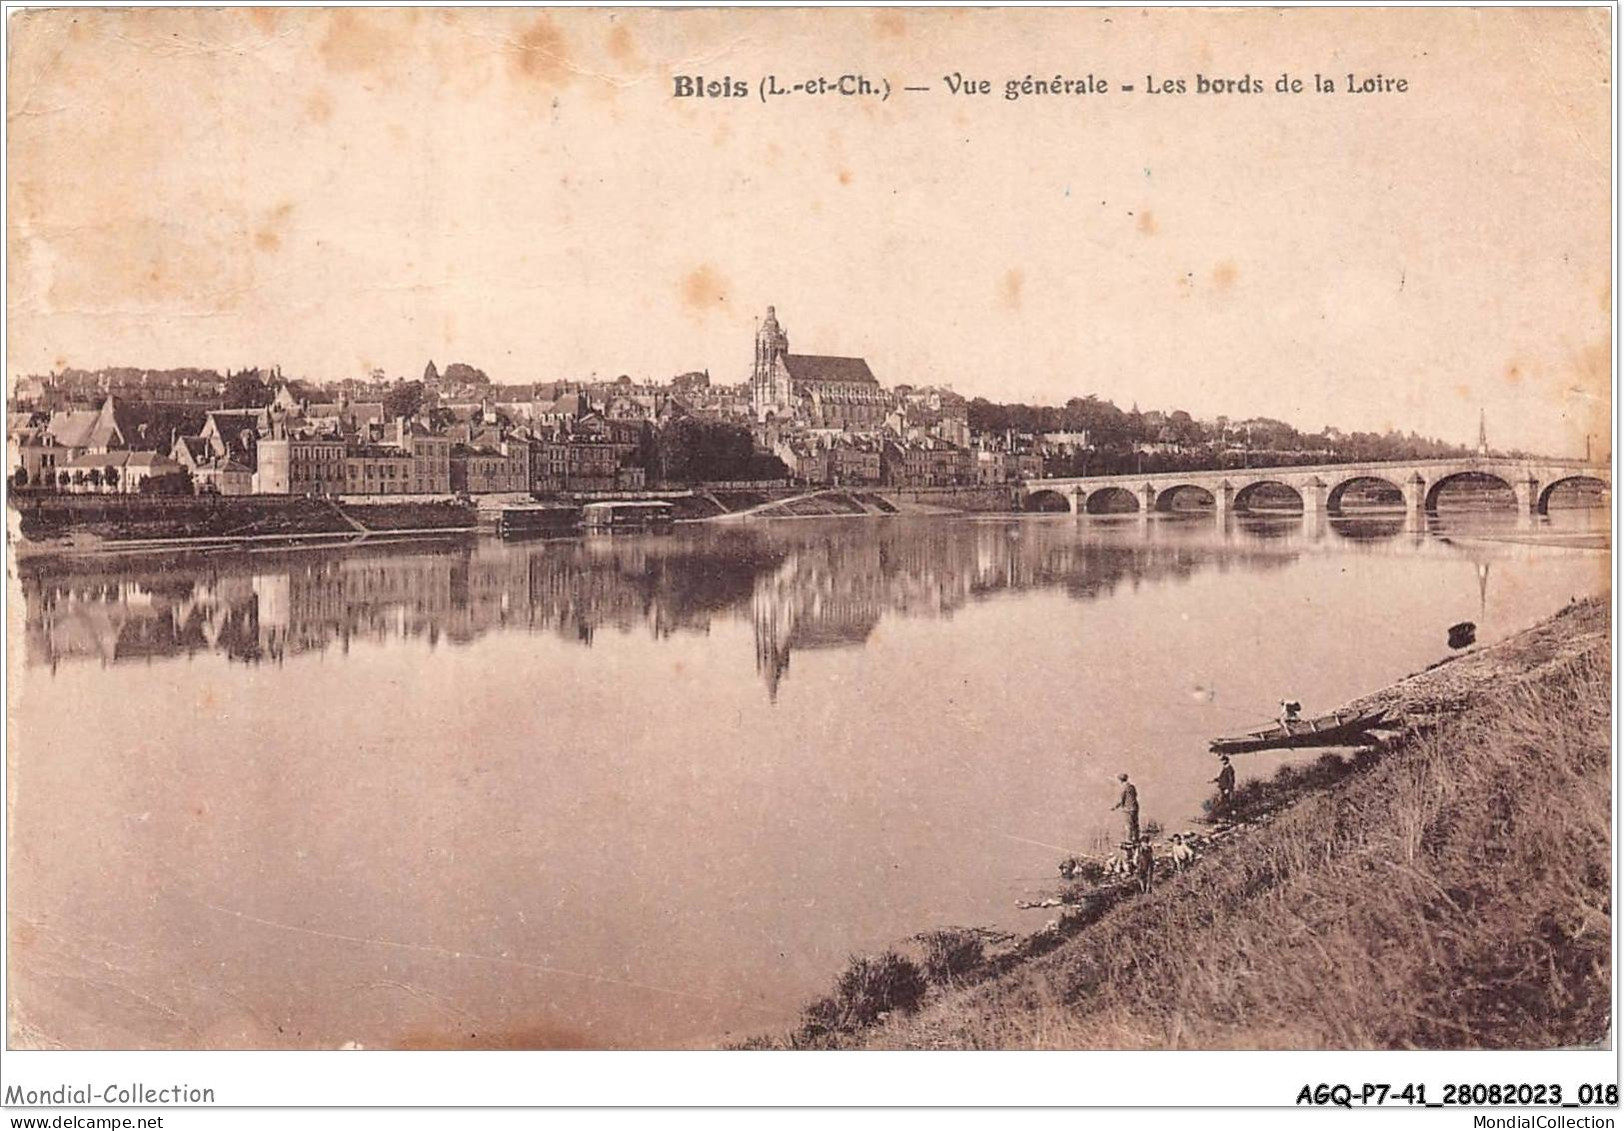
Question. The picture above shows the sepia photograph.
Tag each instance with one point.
(744, 530)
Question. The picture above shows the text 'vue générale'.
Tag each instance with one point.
(956, 84)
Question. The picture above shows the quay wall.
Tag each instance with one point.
(130, 517)
(959, 498)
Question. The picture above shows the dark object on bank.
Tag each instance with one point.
(1462, 635)
(519, 522)
(1338, 729)
(626, 514)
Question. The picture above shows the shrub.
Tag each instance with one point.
(868, 988)
(954, 952)
(820, 1019)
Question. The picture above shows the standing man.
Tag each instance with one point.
(1226, 786)
(1129, 804)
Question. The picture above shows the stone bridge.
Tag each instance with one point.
(1320, 486)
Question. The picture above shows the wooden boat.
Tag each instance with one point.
(1337, 729)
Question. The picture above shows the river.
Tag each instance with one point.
(651, 791)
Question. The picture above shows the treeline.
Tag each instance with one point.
(1122, 441)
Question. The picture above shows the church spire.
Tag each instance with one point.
(1482, 434)
(769, 379)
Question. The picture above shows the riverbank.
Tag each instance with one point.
(81, 524)
(1451, 890)
(76, 525)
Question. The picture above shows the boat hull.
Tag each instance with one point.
(1328, 730)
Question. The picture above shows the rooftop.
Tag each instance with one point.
(817, 367)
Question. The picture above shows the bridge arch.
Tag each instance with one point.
(1435, 490)
(1167, 498)
(1259, 490)
(1568, 480)
(1111, 500)
(1046, 499)
(1334, 499)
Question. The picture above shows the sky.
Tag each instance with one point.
(338, 190)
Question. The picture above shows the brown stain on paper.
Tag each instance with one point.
(1594, 365)
(619, 44)
(318, 107)
(268, 236)
(358, 41)
(541, 55)
(1014, 281)
(1147, 222)
(1225, 274)
(703, 290)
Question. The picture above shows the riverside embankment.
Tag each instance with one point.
(80, 524)
(85, 523)
(1451, 890)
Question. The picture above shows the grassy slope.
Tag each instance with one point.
(1452, 894)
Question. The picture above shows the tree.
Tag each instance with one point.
(459, 374)
(95, 477)
(429, 372)
(246, 390)
(110, 476)
(403, 399)
(691, 450)
(63, 479)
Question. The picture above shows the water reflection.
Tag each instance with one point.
(545, 795)
(803, 586)
(807, 586)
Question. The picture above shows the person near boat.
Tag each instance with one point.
(1290, 709)
(1225, 781)
(1129, 804)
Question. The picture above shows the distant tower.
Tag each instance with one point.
(769, 379)
(1482, 434)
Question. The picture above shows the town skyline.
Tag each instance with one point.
(497, 212)
(1466, 434)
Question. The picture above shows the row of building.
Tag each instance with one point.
(826, 418)
(280, 450)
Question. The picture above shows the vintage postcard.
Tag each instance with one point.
(892, 528)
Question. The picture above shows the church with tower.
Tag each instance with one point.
(813, 390)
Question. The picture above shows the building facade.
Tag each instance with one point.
(376, 469)
(300, 465)
(484, 470)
